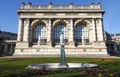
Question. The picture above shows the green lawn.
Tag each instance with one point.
(15, 67)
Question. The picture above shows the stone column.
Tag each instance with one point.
(26, 33)
(100, 43)
(100, 27)
(30, 33)
(20, 30)
(26, 30)
(93, 30)
(71, 38)
(49, 42)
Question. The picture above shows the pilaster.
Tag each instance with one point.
(26, 32)
(71, 38)
(49, 42)
(93, 30)
(100, 26)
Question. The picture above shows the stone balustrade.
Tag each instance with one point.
(71, 6)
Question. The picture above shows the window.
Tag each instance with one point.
(81, 34)
(58, 30)
(40, 34)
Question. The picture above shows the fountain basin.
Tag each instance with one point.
(55, 66)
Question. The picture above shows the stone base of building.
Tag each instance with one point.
(98, 48)
(56, 51)
(22, 45)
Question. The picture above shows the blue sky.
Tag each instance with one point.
(9, 16)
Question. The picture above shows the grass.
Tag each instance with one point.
(15, 67)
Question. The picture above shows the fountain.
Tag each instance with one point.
(62, 64)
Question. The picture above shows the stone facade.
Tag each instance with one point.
(30, 16)
(7, 43)
(113, 43)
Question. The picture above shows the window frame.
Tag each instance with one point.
(57, 31)
(40, 34)
(81, 34)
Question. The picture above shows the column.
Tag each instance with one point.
(30, 33)
(26, 30)
(49, 42)
(93, 30)
(20, 30)
(71, 38)
(100, 27)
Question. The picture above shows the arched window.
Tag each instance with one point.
(40, 34)
(81, 34)
(58, 30)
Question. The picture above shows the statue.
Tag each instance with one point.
(62, 64)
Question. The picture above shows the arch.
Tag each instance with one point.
(60, 26)
(39, 31)
(59, 21)
(38, 21)
(82, 21)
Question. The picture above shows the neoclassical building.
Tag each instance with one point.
(7, 43)
(40, 28)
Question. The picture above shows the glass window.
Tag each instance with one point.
(81, 34)
(40, 33)
(58, 30)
